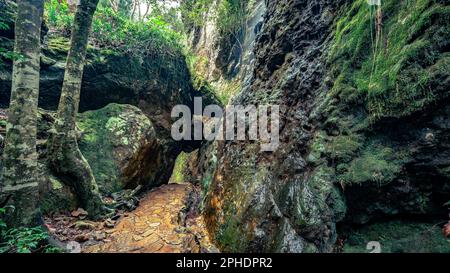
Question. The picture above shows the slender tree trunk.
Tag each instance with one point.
(139, 10)
(20, 178)
(65, 157)
(147, 10)
(134, 9)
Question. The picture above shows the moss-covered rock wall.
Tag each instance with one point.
(364, 102)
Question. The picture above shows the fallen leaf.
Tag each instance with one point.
(79, 212)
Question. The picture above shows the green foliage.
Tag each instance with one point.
(5, 53)
(23, 240)
(194, 12)
(2, 222)
(58, 15)
(231, 16)
(116, 32)
(397, 67)
(3, 25)
(9, 55)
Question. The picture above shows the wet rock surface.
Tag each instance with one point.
(250, 193)
(335, 165)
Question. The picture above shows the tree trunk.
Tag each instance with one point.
(65, 157)
(20, 178)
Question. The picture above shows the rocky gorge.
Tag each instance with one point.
(364, 149)
(357, 152)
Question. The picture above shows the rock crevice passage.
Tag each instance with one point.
(166, 221)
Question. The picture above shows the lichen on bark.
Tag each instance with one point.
(20, 177)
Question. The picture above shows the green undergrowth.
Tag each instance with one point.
(231, 16)
(112, 30)
(6, 46)
(399, 237)
(194, 12)
(359, 159)
(23, 240)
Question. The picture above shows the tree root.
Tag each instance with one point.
(68, 164)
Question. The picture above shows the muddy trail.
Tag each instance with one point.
(166, 221)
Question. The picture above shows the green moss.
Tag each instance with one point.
(221, 90)
(178, 175)
(336, 201)
(311, 199)
(344, 147)
(235, 228)
(118, 127)
(109, 135)
(399, 237)
(97, 145)
(228, 90)
(56, 185)
(57, 47)
(318, 147)
(230, 236)
(57, 197)
(398, 71)
(208, 174)
(377, 163)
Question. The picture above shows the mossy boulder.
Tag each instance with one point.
(121, 145)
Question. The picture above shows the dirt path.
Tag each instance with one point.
(161, 224)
